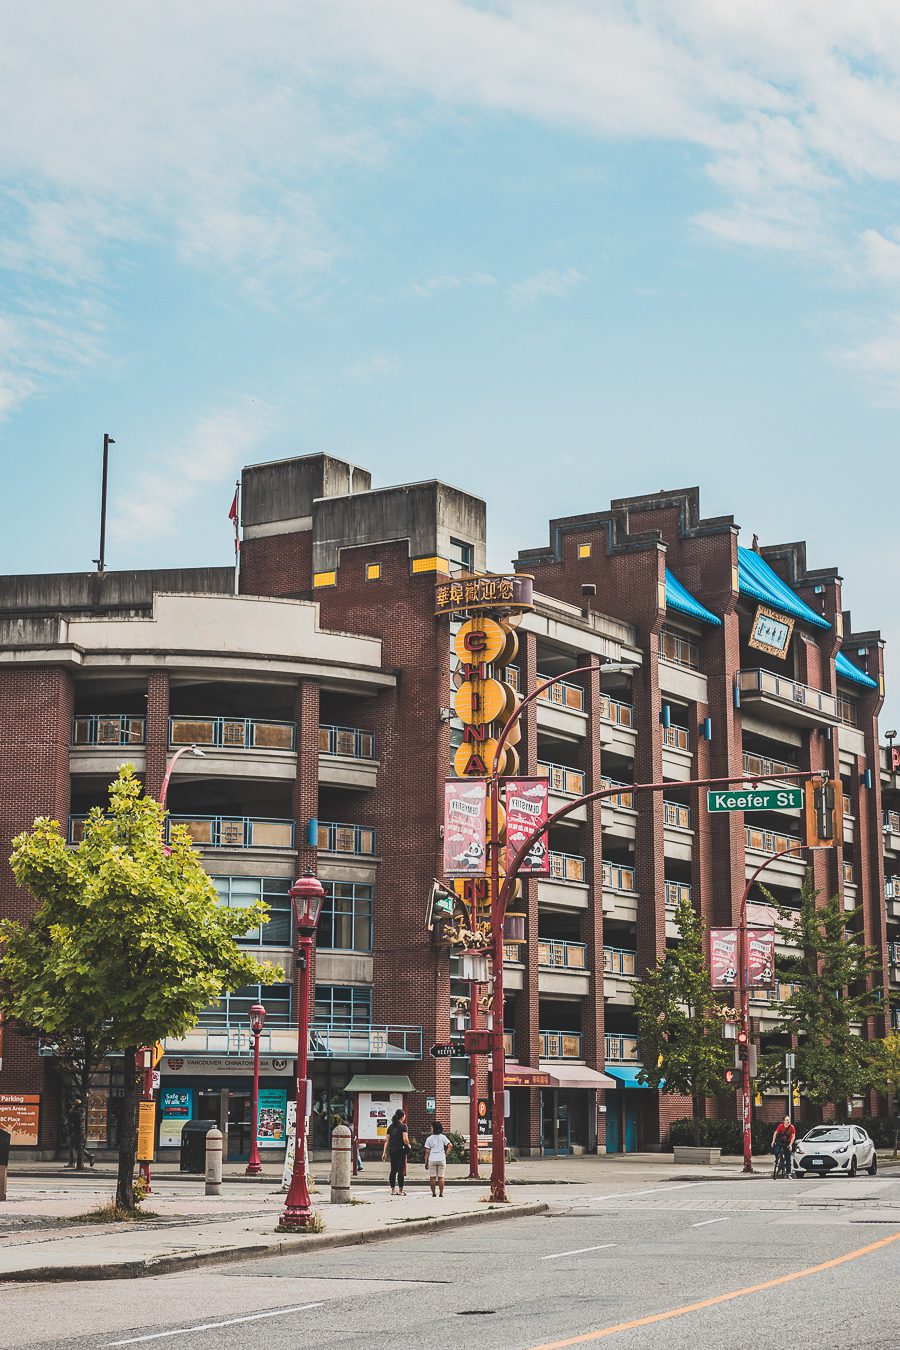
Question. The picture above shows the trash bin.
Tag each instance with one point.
(193, 1144)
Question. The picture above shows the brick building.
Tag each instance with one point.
(321, 696)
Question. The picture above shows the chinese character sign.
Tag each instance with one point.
(526, 810)
(508, 592)
(723, 957)
(761, 958)
(465, 827)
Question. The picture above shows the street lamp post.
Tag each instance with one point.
(257, 1017)
(308, 896)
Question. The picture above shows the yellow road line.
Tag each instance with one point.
(720, 1298)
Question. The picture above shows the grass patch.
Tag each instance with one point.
(113, 1213)
(316, 1225)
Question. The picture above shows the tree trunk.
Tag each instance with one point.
(699, 1106)
(84, 1084)
(128, 1132)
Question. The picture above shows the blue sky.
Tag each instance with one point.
(552, 251)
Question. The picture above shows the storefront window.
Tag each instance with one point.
(343, 1005)
(346, 922)
(241, 892)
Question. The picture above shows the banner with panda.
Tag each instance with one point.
(465, 827)
(526, 810)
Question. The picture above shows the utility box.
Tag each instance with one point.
(193, 1145)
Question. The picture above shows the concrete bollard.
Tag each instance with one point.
(214, 1162)
(341, 1164)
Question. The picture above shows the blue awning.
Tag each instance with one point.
(679, 598)
(628, 1077)
(756, 578)
(848, 671)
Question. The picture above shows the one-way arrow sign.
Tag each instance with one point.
(445, 1051)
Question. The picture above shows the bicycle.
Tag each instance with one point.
(780, 1169)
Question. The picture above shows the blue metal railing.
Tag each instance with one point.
(675, 891)
(619, 961)
(562, 953)
(336, 838)
(351, 742)
(560, 1044)
(326, 1041)
(621, 1049)
(236, 831)
(566, 866)
(108, 729)
(233, 733)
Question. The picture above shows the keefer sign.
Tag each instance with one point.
(754, 799)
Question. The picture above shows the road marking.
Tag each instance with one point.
(578, 1250)
(707, 1221)
(631, 1195)
(213, 1326)
(720, 1298)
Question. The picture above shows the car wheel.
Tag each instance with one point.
(874, 1168)
(853, 1166)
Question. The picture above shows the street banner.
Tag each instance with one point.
(723, 957)
(271, 1118)
(761, 958)
(526, 809)
(465, 827)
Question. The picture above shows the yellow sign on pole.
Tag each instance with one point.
(146, 1131)
(158, 1052)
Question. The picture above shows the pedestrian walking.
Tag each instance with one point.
(396, 1150)
(75, 1119)
(437, 1150)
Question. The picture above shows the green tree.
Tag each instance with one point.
(832, 991)
(884, 1073)
(128, 944)
(680, 1022)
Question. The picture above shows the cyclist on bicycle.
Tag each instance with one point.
(783, 1142)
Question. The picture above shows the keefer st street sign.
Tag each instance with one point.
(754, 799)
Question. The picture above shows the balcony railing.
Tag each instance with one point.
(621, 1049)
(562, 693)
(233, 733)
(892, 888)
(335, 838)
(560, 1044)
(894, 953)
(562, 779)
(849, 878)
(563, 954)
(108, 729)
(769, 841)
(676, 815)
(619, 961)
(512, 951)
(624, 799)
(780, 994)
(677, 738)
(351, 742)
(788, 691)
(566, 867)
(236, 831)
(326, 1041)
(616, 878)
(763, 766)
(509, 1044)
(891, 821)
(614, 710)
(675, 892)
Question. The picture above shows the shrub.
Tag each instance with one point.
(460, 1148)
(724, 1134)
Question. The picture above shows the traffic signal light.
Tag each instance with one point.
(743, 1047)
(732, 1078)
(824, 813)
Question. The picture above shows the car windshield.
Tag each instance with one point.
(828, 1134)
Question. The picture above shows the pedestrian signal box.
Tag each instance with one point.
(732, 1078)
(824, 813)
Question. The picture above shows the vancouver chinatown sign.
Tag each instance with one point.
(755, 799)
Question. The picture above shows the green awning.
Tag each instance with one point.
(380, 1082)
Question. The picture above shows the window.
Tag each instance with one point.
(846, 707)
(679, 649)
(460, 556)
(346, 922)
(584, 550)
(233, 1009)
(373, 571)
(240, 892)
(343, 1005)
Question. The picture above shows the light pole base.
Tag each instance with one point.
(253, 1169)
(295, 1220)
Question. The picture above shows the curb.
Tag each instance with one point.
(284, 1246)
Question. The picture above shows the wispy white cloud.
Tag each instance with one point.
(373, 367)
(446, 281)
(552, 283)
(173, 477)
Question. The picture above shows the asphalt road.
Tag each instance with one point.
(600, 1261)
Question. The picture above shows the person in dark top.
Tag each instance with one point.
(783, 1141)
(396, 1149)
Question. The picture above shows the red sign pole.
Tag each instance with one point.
(473, 1084)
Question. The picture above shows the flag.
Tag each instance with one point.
(233, 509)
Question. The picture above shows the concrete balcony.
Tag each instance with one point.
(565, 784)
(560, 1044)
(892, 896)
(620, 899)
(566, 886)
(563, 967)
(890, 826)
(561, 708)
(621, 1049)
(618, 730)
(618, 814)
(761, 843)
(347, 757)
(326, 1041)
(676, 753)
(786, 700)
(678, 836)
(619, 974)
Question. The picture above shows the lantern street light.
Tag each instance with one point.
(257, 1015)
(308, 896)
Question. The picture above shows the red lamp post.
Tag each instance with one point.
(308, 896)
(257, 1015)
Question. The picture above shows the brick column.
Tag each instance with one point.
(157, 732)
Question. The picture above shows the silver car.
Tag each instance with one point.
(835, 1150)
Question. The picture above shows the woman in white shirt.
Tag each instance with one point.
(437, 1147)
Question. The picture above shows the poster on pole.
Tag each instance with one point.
(271, 1118)
(465, 827)
(526, 810)
(723, 957)
(761, 958)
